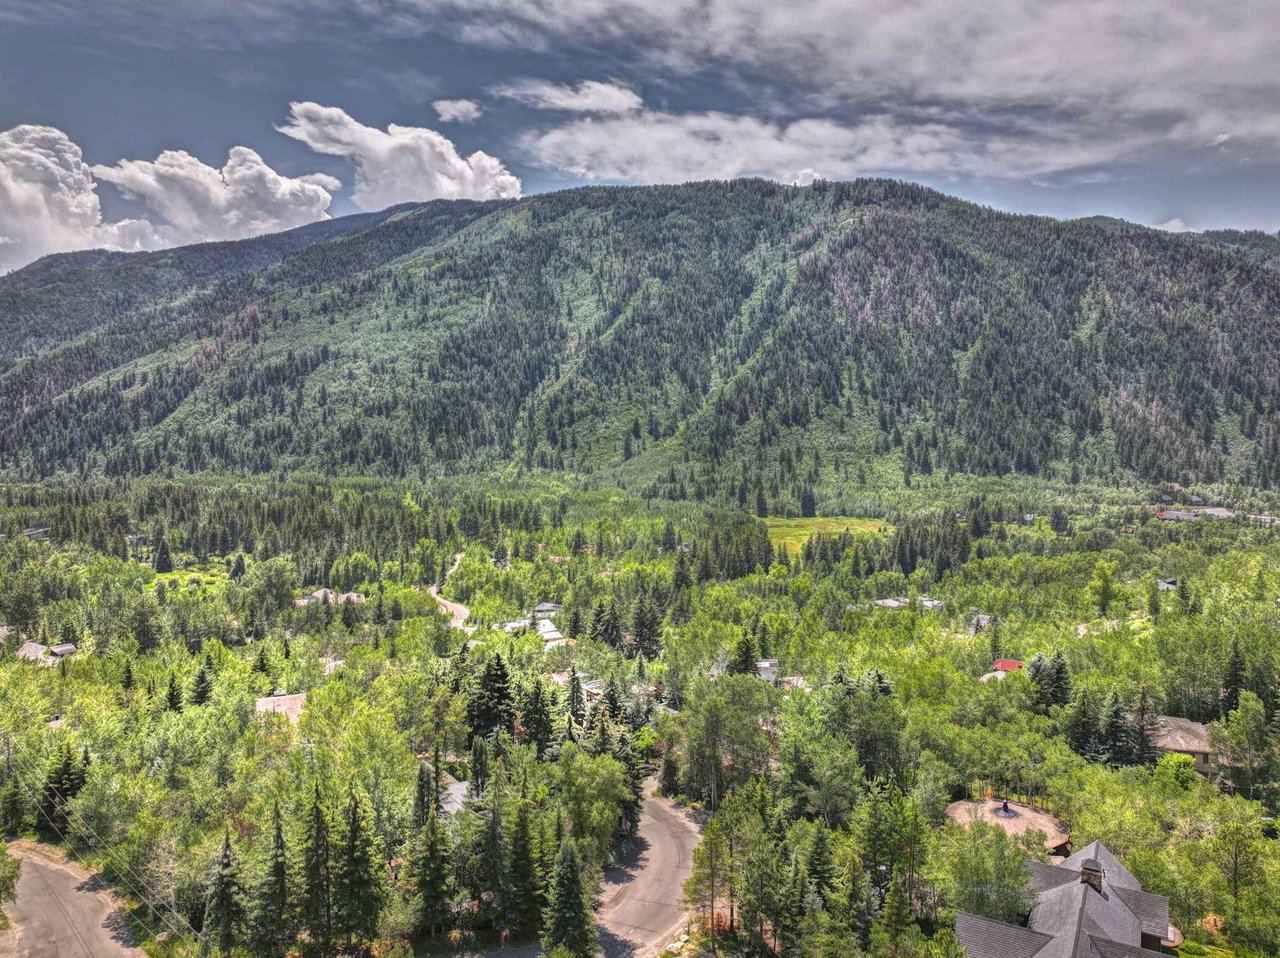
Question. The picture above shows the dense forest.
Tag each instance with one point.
(440, 790)
(742, 342)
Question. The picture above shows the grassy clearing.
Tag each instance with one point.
(794, 533)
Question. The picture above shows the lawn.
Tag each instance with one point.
(794, 533)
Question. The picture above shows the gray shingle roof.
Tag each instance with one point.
(984, 938)
(1115, 873)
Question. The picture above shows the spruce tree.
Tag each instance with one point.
(1115, 734)
(423, 800)
(479, 768)
(526, 883)
(567, 922)
(317, 876)
(744, 656)
(431, 871)
(13, 808)
(273, 924)
(224, 901)
(204, 683)
(491, 708)
(539, 729)
(173, 696)
(574, 701)
(357, 878)
(163, 559)
(1233, 679)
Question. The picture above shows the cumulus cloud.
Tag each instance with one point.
(589, 96)
(401, 163)
(660, 147)
(49, 198)
(192, 201)
(457, 111)
(1175, 225)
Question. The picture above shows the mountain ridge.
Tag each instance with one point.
(740, 339)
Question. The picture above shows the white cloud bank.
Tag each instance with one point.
(399, 164)
(49, 195)
(589, 96)
(457, 111)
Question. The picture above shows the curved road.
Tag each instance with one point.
(62, 911)
(457, 613)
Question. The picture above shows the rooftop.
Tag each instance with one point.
(1173, 734)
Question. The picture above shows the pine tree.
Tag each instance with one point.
(526, 884)
(669, 774)
(126, 681)
(204, 683)
(646, 627)
(357, 879)
(431, 870)
(568, 922)
(13, 809)
(1082, 725)
(494, 877)
(491, 708)
(744, 656)
(1061, 681)
(224, 901)
(423, 800)
(539, 729)
(574, 703)
(317, 876)
(1144, 730)
(479, 767)
(1115, 734)
(273, 925)
(894, 924)
(163, 559)
(173, 696)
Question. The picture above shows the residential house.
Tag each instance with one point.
(35, 652)
(63, 650)
(545, 610)
(1177, 515)
(1185, 737)
(1089, 906)
(281, 703)
(1000, 668)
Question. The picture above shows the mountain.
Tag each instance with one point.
(742, 339)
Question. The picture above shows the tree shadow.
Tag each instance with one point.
(624, 870)
(613, 945)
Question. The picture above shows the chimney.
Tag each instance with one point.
(1091, 874)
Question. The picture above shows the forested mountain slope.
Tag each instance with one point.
(749, 340)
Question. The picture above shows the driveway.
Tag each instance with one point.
(62, 911)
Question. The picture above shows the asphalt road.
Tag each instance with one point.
(642, 911)
(62, 912)
(458, 613)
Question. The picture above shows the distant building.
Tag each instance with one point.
(1089, 906)
(321, 596)
(38, 533)
(35, 652)
(767, 669)
(545, 610)
(1000, 668)
(1166, 585)
(63, 650)
(1184, 737)
(1177, 515)
(281, 703)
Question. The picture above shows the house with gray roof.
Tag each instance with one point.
(1089, 906)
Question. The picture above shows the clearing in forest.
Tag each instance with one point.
(794, 533)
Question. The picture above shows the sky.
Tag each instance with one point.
(140, 124)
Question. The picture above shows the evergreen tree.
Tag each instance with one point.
(163, 560)
(204, 683)
(1115, 734)
(491, 708)
(891, 932)
(317, 876)
(494, 877)
(574, 702)
(744, 656)
(1061, 679)
(357, 876)
(567, 922)
(224, 901)
(173, 696)
(646, 627)
(1082, 725)
(431, 870)
(539, 730)
(273, 924)
(526, 884)
(479, 768)
(423, 799)
(1144, 729)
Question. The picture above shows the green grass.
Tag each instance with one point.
(794, 533)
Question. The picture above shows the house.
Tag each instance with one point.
(516, 625)
(329, 596)
(767, 669)
(281, 703)
(63, 650)
(892, 605)
(1184, 737)
(330, 664)
(999, 669)
(547, 630)
(794, 683)
(1128, 530)
(980, 622)
(1177, 515)
(1166, 585)
(35, 652)
(1218, 512)
(38, 533)
(1195, 500)
(1089, 906)
(545, 610)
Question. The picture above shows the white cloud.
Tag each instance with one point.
(49, 200)
(457, 111)
(193, 202)
(589, 96)
(1175, 225)
(399, 164)
(658, 147)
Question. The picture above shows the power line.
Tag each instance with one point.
(24, 769)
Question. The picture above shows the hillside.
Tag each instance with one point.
(744, 340)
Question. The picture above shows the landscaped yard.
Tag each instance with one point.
(794, 533)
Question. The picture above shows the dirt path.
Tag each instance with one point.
(62, 911)
(457, 613)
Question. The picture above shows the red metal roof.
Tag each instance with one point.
(1006, 665)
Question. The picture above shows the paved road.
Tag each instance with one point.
(457, 613)
(62, 912)
(642, 910)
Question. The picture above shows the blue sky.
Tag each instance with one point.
(140, 123)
